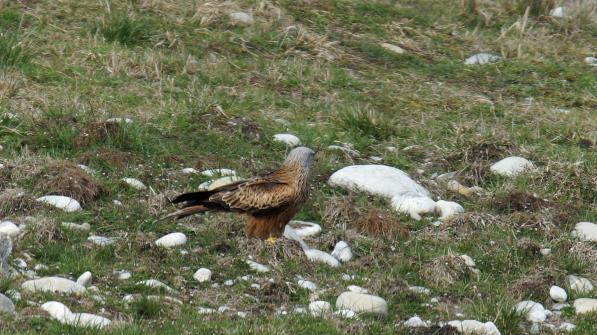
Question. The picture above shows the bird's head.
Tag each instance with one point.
(302, 156)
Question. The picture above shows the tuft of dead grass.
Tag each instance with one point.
(17, 201)
(96, 132)
(377, 222)
(519, 201)
(533, 285)
(585, 252)
(341, 211)
(446, 270)
(478, 156)
(65, 178)
(111, 157)
(529, 247)
(41, 230)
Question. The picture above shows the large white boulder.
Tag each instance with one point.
(53, 284)
(171, 240)
(362, 303)
(511, 166)
(586, 231)
(585, 305)
(67, 204)
(64, 315)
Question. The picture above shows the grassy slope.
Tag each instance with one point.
(181, 71)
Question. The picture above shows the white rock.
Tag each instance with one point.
(171, 240)
(87, 169)
(482, 58)
(585, 305)
(6, 305)
(560, 306)
(257, 267)
(13, 294)
(415, 322)
(413, 204)
(468, 260)
(242, 314)
(83, 227)
(357, 289)
(223, 181)
(307, 285)
(591, 61)
(241, 18)
(379, 180)
(557, 12)
(319, 308)
(511, 166)
(84, 279)
(558, 294)
(202, 275)
(567, 327)
(67, 204)
(123, 274)
(20, 263)
(218, 173)
(393, 48)
(204, 310)
(586, 231)
(445, 209)
(40, 267)
(304, 228)
(580, 284)
(63, 314)
(419, 289)
(120, 120)
(315, 255)
(474, 327)
(117, 202)
(289, 139)
(189, 170)
(53, 284)
(154, 283)
(9, 228)
(545, 251)
(345, 313)
(101, 240)
(534, 311)
(229, 282)
(362, 303)
(342, 252)
(135, 183)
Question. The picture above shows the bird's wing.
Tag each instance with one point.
(257, 195)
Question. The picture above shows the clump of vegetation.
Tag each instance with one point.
(65, 178)
(367, 123)
(446, 270)
(15, 201)
(12, 51)
(121, 28)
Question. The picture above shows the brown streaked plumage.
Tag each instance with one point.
(269, 201)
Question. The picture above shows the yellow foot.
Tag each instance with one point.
(272, 240)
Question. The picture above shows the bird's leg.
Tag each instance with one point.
(272, 240)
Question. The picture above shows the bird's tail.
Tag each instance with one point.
(181, 213)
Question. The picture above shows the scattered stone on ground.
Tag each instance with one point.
(579, 284)
(9, 228)
(393, 48)
(171, 240)
(586, 231)
(135, 183)
(101, 240)
(591, 61)
(357, 289)
(482, 58)
(53, 284)
(419, 290)
(557, 12)
(6, 305)
(416, 322)
(202, 275)
(558, 294)
(585, 305)
(218, 173)
(64, 315)
(342, 252)
(223, 181)
(345, 314)
(345, 148)
(362, 303)
(123, 274)
(320, 308)
(304, 228)
(533, 311)
(67, 204)
(474, 327)
(154, 283)
(322, 257)
(511, 166)
(468, 260)
(84, 279)
(258, 267)
(288, 139)
(413, 204)
(189, 170)
(446, 209)
(307, 285)
(120, 120)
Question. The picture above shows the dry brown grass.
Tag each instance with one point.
(65, 178)
(586, 253)
(529, 247)
(446, 270)
(519, 201)
(533, 285)
(115, 158)
(478, 156)
(341, 211)
(377, 222)
(17, 201)
(41, 230)
(95, 133)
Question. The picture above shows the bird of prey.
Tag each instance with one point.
(269, 201)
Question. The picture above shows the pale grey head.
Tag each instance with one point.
(301, 156)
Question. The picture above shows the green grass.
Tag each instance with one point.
(204, 93)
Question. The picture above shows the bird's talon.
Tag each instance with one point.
(272, 240)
